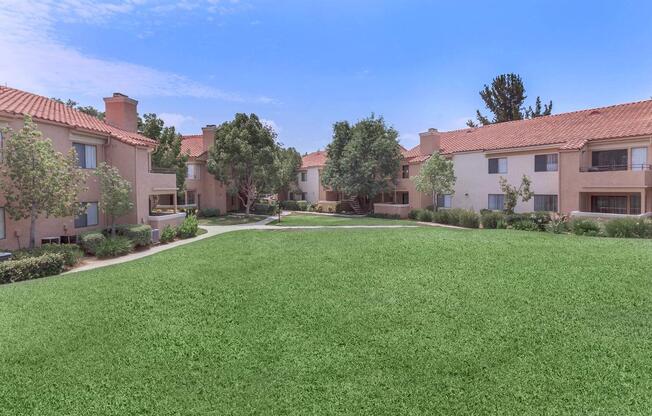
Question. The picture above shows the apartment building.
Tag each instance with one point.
(202, 190)
(309, 179)
(114, 141)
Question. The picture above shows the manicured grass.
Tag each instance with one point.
(231, 219)
(296, 219)
(373, 322)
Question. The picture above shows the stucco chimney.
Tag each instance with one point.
(208, 137)
(121, 112)
(429, 142)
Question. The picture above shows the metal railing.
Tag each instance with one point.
(615, 167)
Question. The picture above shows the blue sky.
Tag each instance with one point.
(302, 65)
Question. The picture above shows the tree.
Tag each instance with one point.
(436, 177)
(36, 179)
(244, 157)
(90, 110)
(363, 159)
(115, 198)
(288, 162)
(512, 193)
(168, 153)
(505, 100)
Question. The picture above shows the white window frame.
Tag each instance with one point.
(639, 164)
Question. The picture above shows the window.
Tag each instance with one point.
(609, 160)
(444, 201)
(639, 158)
(86, 155)
(635, 204)
(2, 224)
(609, 204)
(88, 218)
(193, 171)
(405, 171)
(546, 163)
(404, 198)
(496, 202)
(498, 165)
(545, 203)
(303, 196)
(304, 176)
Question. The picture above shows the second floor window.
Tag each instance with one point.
(609, 159)
(86, 155)
(304, 176)
(546, 163)
(498, 165)
(405, 171)
(193, 171)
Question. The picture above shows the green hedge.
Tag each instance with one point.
(581, 226)
(168, 234)
(493, 220)
(209, 212)
(188, 228)
(90, 240)
(628, 228)
(139, 234)
(264, 209)
(71, 252)
(114, 247)
(414, 214)
(425, 215)
(28, 268)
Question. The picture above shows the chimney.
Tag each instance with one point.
(208, 137)
(429, 142)
(121, 112)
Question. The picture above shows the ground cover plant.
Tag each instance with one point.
(231, 219)
(375, 322)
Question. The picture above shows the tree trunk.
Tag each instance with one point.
(113, 226)
(434, 201)
(32, 227)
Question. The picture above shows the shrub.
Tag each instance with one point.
(303, 205)
(491, 219)
(525, 225)
(425, 215)
(71, 252)
(581, 226)
(449, 216)
(264, 209)
(469, 219)
(209, 212)
(140, 234)
(188, 228)
(414, 214)
(628, 228)
(557, 226)
(90, 240)
(541, 219)
(114, 247)
(168, 234)
(290, 205)
(29, 268)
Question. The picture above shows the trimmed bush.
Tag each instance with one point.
(90, 240)
(71, 253)
(425, 216)
(140, 234)
(491, 219)
(114, 247)
(303, 205)
(414, 214)
(628, 228)
(29, 268)
(525, 225)
(264, 209)
(290, 205)
(188, 228)
(557, 226)
(469, 219)
(168, 234)
(581, 226)
(209, 212)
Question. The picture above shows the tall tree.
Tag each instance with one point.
(168, 150)
(288, 162)
(89, 109)
(363, 159)
(245, 158)
(512, 192)
(115, 193)
(436, 177)
(504, 99)
(36, 179)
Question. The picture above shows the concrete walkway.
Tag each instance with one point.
(213, 230)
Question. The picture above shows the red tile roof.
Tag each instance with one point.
(569, 131)
(192, 145)
(17, 102)
(314, 159)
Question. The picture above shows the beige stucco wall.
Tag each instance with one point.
(212, 193)
(312, 186)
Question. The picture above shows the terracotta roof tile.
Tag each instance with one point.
(314, 159)
(192, 145)
(19, 102)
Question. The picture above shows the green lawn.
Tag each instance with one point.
(296, 219)
(231, 219)
(374, 322)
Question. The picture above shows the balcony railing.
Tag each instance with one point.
(611, 168)
(162, 170)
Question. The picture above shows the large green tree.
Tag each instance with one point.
(168, 153)
(245, 157)
(37, 180)
(505, 100)
(288, 162)
(436, 177)
(115, 193)
(88, 109)
(363, 159)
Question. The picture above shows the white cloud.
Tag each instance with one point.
(271, 123)
(175, 119)
(35, 59)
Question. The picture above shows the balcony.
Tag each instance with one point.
(615, 167)
(615, 176)
(162, 180)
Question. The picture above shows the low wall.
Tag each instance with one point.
(160, 221)
(604, 216)
(401, 210)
